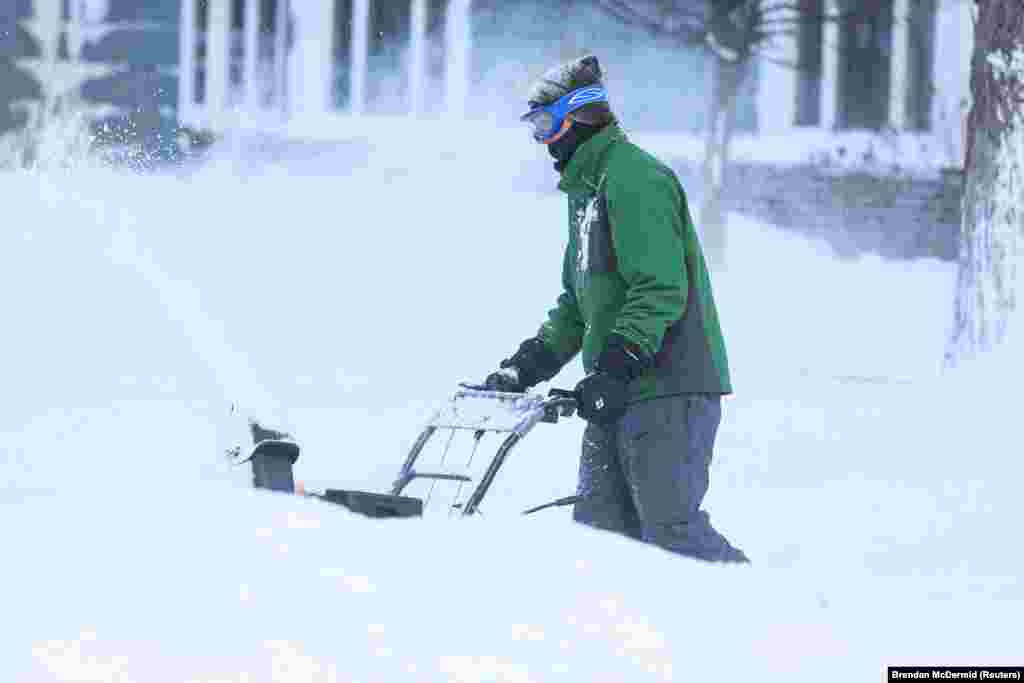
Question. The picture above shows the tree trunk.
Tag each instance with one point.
(993, 207)
(725, 80)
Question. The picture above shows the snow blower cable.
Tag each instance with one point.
(568, 500)
(444, 456)
(458, 492)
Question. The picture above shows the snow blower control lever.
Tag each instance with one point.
(564, 400)
(472, 409)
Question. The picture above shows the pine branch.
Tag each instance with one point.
(627, 14)
(798, 13)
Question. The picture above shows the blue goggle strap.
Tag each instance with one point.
(570, 102)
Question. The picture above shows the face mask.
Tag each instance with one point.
(562, 149)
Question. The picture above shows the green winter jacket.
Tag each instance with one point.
(633, 265)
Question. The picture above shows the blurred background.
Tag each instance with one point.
(881, 64)
(775, 92)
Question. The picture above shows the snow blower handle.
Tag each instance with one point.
(564, 393)
(562, 402)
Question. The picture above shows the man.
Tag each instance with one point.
(637, 301)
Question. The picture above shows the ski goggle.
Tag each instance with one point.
(546, 120)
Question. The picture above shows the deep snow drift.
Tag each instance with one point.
(342, 296)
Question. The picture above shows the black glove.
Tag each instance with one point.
(532, 364)
(603, 393)
(506, 379)
(601, 398)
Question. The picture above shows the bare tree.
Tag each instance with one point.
(732, 33)
(993, 205)
(572, 37)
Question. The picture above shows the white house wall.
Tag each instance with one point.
(954, 44)
(777, 84)
(358, 57)
(830, 68)
(218, 41)
(458, 42)
(312, 58)
(187, 63)
(899, 64)
(250, 56)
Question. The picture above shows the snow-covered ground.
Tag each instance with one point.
(343, 297)
(878, 153)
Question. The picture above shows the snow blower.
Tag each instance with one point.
(471, 409)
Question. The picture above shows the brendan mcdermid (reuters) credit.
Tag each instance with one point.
(955, 673)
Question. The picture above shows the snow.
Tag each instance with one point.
(94, 11)
(346, 295)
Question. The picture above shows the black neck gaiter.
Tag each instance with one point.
(562, 149)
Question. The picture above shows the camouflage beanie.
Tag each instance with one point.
(559, 81)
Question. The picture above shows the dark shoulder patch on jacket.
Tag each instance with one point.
(594, 241)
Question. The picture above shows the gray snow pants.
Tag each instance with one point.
(645, 476)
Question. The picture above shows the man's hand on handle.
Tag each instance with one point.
(604, 392)
(532, 364)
